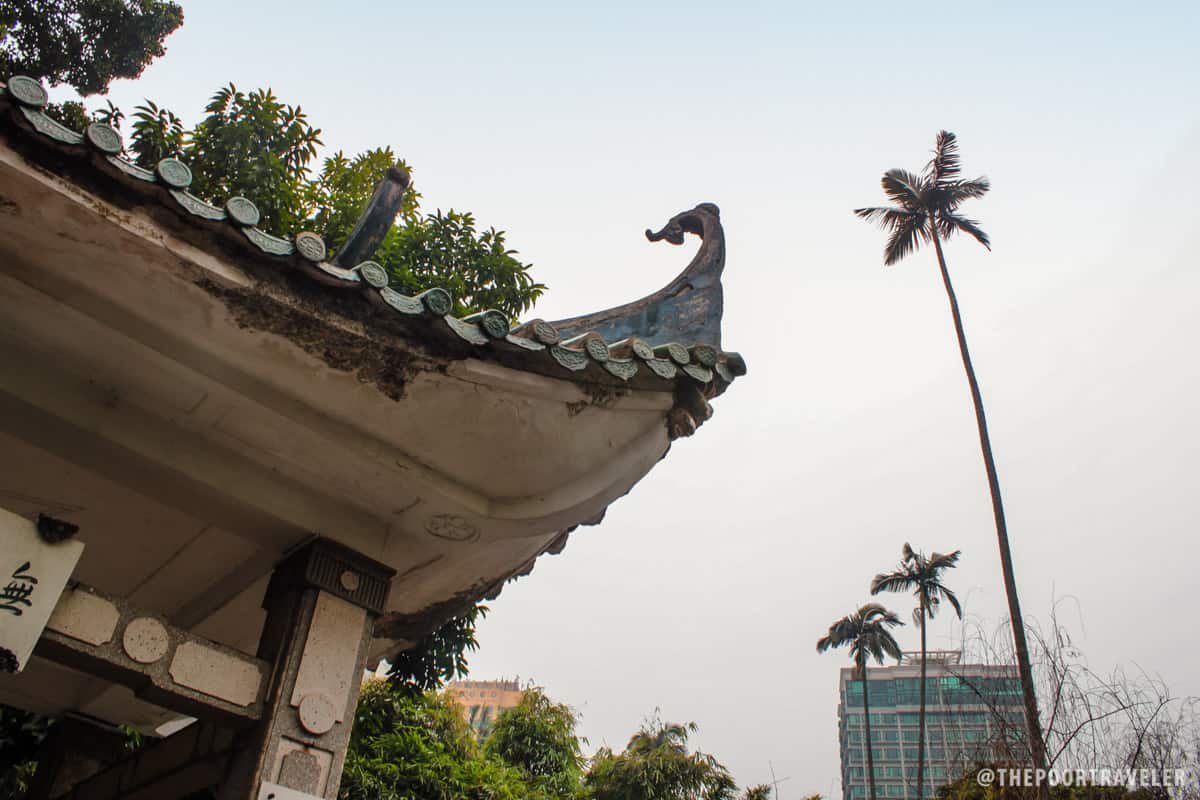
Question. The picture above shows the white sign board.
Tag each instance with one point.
(33, 575)
(271, 791)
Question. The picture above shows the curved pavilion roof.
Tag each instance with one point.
(200, 397)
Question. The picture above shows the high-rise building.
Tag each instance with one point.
(973, 713)
(482, 701)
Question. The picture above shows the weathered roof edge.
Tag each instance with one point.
(695, 372)
(689, 307)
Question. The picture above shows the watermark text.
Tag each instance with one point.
(1024, 777)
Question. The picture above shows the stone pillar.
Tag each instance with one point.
(321, 607)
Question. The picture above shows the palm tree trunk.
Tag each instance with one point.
(921, 716)
(1036, 744)
(862, 669)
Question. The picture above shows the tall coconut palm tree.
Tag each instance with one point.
(921, 575)
(926, 211)
(866, 633)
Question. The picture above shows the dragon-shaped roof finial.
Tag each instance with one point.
(688, 309)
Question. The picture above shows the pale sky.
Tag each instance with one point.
(705, 589)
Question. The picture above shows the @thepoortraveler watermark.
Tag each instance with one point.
(1026, 777)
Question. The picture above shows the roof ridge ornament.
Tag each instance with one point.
(686, 310)
(376, 220)
(672, 335)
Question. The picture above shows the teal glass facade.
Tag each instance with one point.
(974, 714)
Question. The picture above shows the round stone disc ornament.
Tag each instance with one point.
(145, 640)
(311, 246)
(317, 713)
(373, 274)
(438, 301)
(545, 333)
(451, 527)
(494, 324)
(104, 138)
(174, 173)
(705, 355)
(642, 350)
(350, 580)
(677, 353)
(597, 349)
(27, 91)
(242, 211)
(571, 359)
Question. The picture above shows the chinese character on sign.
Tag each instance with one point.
(29, 595)
(17, 592)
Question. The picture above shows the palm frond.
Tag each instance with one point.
(944, 560)
(890, 646)
(903, 188)
(893, 582)
(957, 191)
(865, 631)
(887, 217)
(875, 614)
(876, 641)
(922, 574)
(945, 164)
(952, 599)
(905, 239)
(840, 632)
(927, 204)
(949, 224)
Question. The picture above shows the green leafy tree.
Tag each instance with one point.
(537, 736)
(926, 211)
(21, 734)
(84, 43)
(657, 765)
(21, 737)
(439, 656)
(75, 116)
(157, 134)
(921, 575)
(345, 185)
(440, 249)
(253, 145)
(866, 633)
(760, 792)
(417, 745)
(476, 267)
(71, 113)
